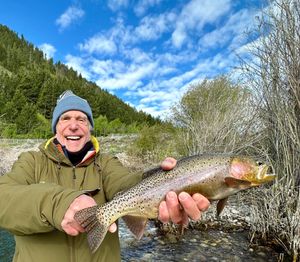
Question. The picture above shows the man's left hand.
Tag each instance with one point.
(179, 208)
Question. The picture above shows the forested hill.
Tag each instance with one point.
(30, 85)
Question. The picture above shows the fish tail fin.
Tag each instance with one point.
(95, 228)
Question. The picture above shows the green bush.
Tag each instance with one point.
(43, 128)
(155, 143)
(9, 131)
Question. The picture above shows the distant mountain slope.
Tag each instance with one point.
(31, 83)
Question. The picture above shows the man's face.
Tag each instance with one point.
(73, 130)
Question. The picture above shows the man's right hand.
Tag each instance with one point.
(70, 225)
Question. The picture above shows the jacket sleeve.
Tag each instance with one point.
(116, 177)
(27, 207)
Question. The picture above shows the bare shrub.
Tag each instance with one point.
(274, 74)
(215, 116)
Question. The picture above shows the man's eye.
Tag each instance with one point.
(82, 120)
(64, 119)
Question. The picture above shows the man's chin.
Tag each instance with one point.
(74, 146)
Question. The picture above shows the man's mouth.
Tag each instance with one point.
(73, 138)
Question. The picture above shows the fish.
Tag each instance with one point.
(215, 176)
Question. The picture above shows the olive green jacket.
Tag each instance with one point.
(35, 195)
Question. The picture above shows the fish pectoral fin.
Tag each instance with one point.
(220, 205)
(136, 225)
(237, 183)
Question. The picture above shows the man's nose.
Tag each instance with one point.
(73, 124)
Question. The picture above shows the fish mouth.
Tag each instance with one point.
(265, 174)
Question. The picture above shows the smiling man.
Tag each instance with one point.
(41, 194)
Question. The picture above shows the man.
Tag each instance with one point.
(43, 191)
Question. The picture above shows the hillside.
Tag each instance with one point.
(30, 85)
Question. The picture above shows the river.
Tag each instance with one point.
(193, 245)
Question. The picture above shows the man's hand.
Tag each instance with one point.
(70, 225)
(180, 208)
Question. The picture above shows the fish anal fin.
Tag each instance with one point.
(237, 183)
(136, 225)
(96, 230)
(220, 205)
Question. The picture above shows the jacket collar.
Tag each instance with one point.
(56, 152)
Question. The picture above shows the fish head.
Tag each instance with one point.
(250, 172)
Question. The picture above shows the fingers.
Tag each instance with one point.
(189, 205)
(202, 202)
(174, 208)
(69, 224)
(180, 208)
(72, 229)
(163, 213)
(169, 163)
(112, 228)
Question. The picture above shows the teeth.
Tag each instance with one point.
(73, 137)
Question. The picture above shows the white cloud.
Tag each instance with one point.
(195, 15)
(136, 60)
(99, 44)
(152, 110)
(143, 5)
(106, 69)
(48, 50)
(69, 16)
(102, 67)
(157, 103)
(78, 64)
(130, 78)
(152, 27)
(110, 42)
(115, 5)
(231, 33)
(137, 56)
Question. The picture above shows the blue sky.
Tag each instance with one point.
(147, 52)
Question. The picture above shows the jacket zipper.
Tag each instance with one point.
(73, 259)
(74, 175)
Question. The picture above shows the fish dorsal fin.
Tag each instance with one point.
(221, 204)
(237, 183)
(136, 225)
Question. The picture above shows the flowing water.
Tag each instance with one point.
(194, 245)
(7, 246)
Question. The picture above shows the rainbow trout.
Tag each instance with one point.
(215, 176)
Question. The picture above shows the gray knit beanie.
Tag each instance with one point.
(69, 101)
